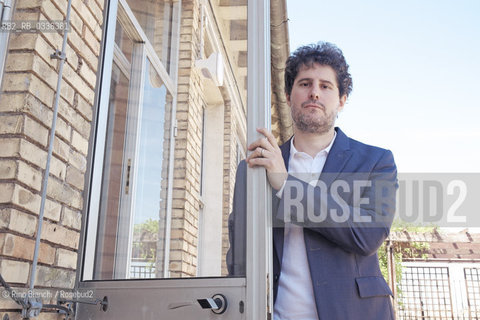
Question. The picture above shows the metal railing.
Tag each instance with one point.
(429, 293)
(142, 272)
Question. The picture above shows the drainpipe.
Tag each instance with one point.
(5, 14)
(60, 55)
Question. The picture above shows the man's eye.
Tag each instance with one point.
(325, 86)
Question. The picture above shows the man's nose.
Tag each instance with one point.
(314, 93)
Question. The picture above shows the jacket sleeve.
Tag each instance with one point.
(236, 254)
(355, 211)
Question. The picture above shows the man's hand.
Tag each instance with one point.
(266, 153)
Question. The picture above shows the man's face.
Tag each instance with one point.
(315, 99)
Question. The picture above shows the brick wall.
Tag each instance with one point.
(186, 204)
(26, 110)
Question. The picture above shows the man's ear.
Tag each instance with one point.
(343, 100)
(287, 96)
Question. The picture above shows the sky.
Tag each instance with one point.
(416, 73)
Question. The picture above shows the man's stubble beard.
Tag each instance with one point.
(311, 124)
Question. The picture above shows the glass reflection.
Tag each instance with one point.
(112, 180)
(155, 18)
(149, 200)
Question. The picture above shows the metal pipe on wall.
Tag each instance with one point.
(61, 56)
(5, 15)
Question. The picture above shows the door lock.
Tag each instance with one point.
(218, 303)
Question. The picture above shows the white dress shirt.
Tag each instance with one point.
(295, 297)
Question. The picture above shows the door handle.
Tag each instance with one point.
(217, 303)
(176, 305)
(127, 183)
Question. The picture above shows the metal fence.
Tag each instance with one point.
(472, 281)
(142, 272)
(430, 293)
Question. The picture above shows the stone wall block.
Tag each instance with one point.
(78, 45)
(19, 61)
(14, 271)
(39, 89)
(79, 143)
(83, 106)
(63, 192)
(8, 169)
(66, 258)
(29, 175)
(92, 41)
(78, 160)
(23, 248)
(29, 4)
(35, 131)
(60, 235)
(75, 177)
(58, 168)
(61, 149)
(27, 199)
(54, 277)
(22, 41)
(32, 153)
(72, 218)
(52, 210)
(20, 222)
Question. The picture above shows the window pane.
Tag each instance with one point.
(151, 182)
(113, 175)
(169, 219)
(155, 18)
(124, 42)
(133, 211)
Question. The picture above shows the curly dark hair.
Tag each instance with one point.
(323, 53)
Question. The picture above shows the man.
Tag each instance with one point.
(334, 197)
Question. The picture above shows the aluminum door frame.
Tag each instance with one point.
(250, 297)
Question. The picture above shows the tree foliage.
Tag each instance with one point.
(409, 250)
(145, 234)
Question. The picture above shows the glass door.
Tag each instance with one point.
(157, 241)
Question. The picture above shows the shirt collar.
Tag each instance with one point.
(294, 151)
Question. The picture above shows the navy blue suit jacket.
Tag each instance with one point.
(341, 252)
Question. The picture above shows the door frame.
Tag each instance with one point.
(250, 297)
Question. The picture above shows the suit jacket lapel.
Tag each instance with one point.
(337, 158)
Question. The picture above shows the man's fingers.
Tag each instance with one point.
(259, 152)
(267, 142)
(254, 162)
(255, 144)
(270, 138)
(261, 143)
